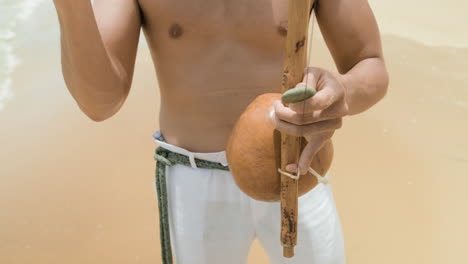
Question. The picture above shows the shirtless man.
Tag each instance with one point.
(212, 58)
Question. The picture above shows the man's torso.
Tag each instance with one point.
(212, 57)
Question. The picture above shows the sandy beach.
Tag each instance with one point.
(76, 191)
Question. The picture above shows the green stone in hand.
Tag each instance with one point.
(298, 94)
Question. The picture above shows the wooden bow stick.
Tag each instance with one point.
(293, 72)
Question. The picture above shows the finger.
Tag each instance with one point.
(308, 154)
(311, 76)
(297, 118)
(338, 109)
(309, 129)
(323, 99)
(291, 168)
(315, 144)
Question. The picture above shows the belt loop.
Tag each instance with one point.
(192, 160)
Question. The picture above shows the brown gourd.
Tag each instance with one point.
(253, 153)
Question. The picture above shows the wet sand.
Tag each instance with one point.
(75, 191)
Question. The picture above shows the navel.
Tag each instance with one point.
(175, 31)
(283, 28)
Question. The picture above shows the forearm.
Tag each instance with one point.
(366, 84)
(96, 83)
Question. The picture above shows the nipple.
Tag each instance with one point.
(175, 31)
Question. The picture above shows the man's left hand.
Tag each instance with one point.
(317, 118)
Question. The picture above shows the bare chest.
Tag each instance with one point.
(252, 20)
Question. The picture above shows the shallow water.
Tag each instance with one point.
(75, 191)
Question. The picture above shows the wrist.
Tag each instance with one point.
(343, 79)
(345, 83)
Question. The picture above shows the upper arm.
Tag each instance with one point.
(350, 31)
(119, 23)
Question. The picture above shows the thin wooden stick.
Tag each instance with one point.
(293, 72)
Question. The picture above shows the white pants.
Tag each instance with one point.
(212, 221)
